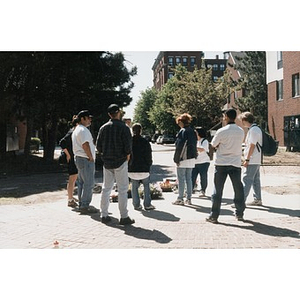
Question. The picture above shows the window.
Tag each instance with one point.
(295, 85)
(215, 78)
(171, 61)
(279, 90)
(222, 67)
(170, 75)
(209, 66)
(178, 60)
(193, 61)
(215, 67)
(184, 61)
(279, 59)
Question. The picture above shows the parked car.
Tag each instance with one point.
(154, 137)
(167, 139)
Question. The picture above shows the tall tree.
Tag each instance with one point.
(253, 82)
(143, 107)
(49, 87)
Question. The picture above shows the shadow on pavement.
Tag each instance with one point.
(159, 172)
(277, 210)
(137, 232)
(265, 229)
(160, 215)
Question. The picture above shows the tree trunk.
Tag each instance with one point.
(49, 139)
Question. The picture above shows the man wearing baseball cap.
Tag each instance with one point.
(85, 153)
(114, 143)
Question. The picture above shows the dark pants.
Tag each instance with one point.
(221, 173)
(201, 169)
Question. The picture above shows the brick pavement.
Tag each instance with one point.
(40, 225)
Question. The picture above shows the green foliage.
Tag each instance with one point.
(48, 88)
(253, 71)
(142, 109)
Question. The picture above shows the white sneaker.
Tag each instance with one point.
(178, 202)
(188, 202)
(255, 203)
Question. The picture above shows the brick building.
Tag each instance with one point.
(283, 70)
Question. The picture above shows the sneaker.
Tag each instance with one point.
(138, 207)
(178, 202)
(233, 205)
(126, 221)
(201, 194)
(106, 219)
(239, 218)
(212, 220)
(150, 207)
(88, 210)
(188, 202)
(255, 203)
(72, 203)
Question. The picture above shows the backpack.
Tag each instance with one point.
(269, 145)
(211, 149)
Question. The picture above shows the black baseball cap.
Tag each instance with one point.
(113, 108)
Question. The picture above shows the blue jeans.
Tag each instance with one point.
(135, 193)
(184, 176)
(85, 180)
(121, 176)
(251, 178)
(201, 169)
(221, 173)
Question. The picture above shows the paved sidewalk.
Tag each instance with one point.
(39, 226)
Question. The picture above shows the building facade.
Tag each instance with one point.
(283, 70)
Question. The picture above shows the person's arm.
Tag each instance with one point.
(87, 150)
(67, 154)
(250, 152)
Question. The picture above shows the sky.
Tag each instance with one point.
(144, 61)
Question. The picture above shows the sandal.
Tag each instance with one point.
(72, 203)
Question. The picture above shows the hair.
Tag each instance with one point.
(248, 117)
(185, 118)
(231, 114)
(136, 128)
(201, 132)
(74, 121)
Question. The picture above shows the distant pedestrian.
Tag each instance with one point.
(185, 157)
(252, 162)
(228, 142)
(66, 145)
(114, 143)
(85, 155)
(139, 168)
(202, 161)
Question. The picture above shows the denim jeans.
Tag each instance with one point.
(184, 176)
(121, 176)
(85, 180)
(221, 173)
(135, 193)
(251, 178)
(202, 170)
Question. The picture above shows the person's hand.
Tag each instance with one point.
(246, 163)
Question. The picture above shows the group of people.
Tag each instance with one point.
(192, 159)
(126, 155)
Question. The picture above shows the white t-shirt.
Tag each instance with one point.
(138, 176)
(81, 135)
(202, 156)
(254, 136)
(228, 141)
(188, 163)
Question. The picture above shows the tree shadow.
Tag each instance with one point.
(265, 229)
(136, 232)
(159, 172)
